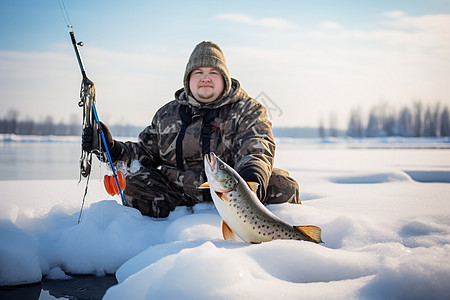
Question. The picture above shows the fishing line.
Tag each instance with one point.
(65, 14)
(102, 220)
(84, 196)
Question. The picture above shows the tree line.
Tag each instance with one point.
(417, 120)
(12, 124)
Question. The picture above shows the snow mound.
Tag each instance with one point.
(57, 274)
(236, 269)
(421, 274)
(108, 235)
(18, 256)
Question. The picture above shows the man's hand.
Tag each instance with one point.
(87, 139)
(108, 137)
(91, 142)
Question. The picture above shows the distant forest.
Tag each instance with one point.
(417, 120)
(11, 123)
(382, 120)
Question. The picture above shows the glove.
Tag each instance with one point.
(108, 137)
(87, 139)
(255, 181)
(91, 141)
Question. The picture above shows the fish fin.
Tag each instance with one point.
(227, 233)
(222, 196)
(312, 232)
(253, 185)
(203, 186)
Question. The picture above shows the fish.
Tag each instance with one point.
(243, 214)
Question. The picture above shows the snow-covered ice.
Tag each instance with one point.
(384, 214)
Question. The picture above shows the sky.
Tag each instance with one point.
(305, 60)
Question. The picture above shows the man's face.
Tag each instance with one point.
(206, 84)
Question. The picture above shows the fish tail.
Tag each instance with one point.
(313, 232)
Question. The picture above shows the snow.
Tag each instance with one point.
(14, 138)
(384, 214)
(57, 274)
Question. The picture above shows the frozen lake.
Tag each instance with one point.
(40, 160)
(35, 157)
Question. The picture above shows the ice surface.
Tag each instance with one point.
(384, 214)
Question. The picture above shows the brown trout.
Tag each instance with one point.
(241, 211)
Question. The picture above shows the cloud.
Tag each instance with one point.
(274, 23)
(427, 31)
(436, 23)
(329, 25)
(130, 87)
(333, 66)
(395, 14)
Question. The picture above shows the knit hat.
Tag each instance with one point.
(207, 54)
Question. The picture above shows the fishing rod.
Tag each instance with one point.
(90, 101)
(90, 117)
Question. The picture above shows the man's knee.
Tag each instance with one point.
(150, 192)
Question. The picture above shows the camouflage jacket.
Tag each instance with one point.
(240, 134)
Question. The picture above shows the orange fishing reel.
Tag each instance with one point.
(111, 185)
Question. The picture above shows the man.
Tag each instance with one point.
(210, 114)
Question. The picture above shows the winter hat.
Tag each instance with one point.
(207, 54)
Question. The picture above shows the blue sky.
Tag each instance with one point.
(312, 58)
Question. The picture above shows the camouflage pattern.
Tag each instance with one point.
(282, 188)
(153, 194)
(241, 136)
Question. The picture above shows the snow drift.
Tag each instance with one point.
(386, 234)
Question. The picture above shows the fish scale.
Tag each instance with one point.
(242, 212)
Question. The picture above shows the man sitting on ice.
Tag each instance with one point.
(212, 113)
